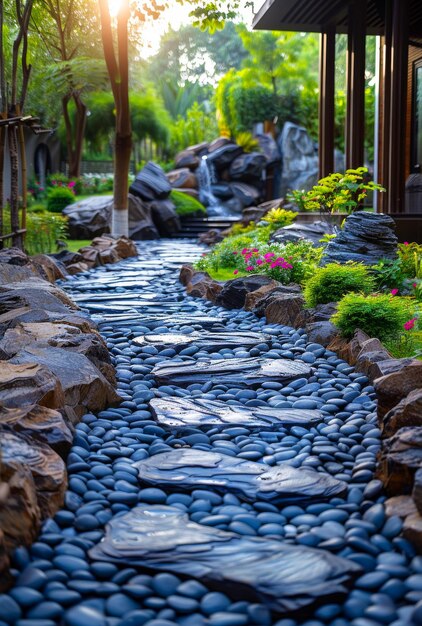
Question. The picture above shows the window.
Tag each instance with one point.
(417, 118)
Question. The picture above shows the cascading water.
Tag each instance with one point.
(206, 177)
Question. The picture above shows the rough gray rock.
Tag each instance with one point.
(296, 232)
(151, 183)
(300, 160)
(365, 238)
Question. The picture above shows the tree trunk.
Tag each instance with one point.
(14, 185)
(74, 140)
(122, 154)
(2, 146)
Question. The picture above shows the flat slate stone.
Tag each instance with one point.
(177, 413)
(189, 469)
(214, 341)
(240, 372)
(151, 320)
(285, 577)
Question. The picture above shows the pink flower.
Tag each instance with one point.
(71, 184)
(259, 261)
(268, 255)
(235, 252)
(415, 285)
(245, 251)
(410, 324)
(249, 268)
(248, 256)
(394, 292)
(273, 265)
(255, 250)
(405, 243)
(236, 272)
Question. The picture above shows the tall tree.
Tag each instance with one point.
(13, 94)
(68, 29)
(116, 48)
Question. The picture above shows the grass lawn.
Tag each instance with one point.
(74, 244)
(225, 274)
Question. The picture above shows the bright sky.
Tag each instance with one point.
(175, 16)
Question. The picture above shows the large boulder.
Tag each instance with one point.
(365, 238)
(89, 218)
(401, 458)
(20, 515)
(182, 178)
(165, 217)
(47, 468)
(394, 387)
(408, 412)
(40, 423)
(222, 152)
(85, 388)
(300, 160)
(234, 292)
(284, 309)
(29, 383)
(187, 159)
(201, 285)
(141, 226)
(247, 166)
(151, 183)
(247, 194)
(269, 148)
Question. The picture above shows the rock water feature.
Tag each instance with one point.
(129, 550)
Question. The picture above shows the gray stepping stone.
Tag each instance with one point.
(130, 317)
(285, 577)
(212, 341)
(240, 372)
(178, 413)
(188, 469)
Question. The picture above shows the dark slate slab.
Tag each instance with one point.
(240, 372)
(189, 469)
(286, 578)
(212, 341)
(129, 318)
(176, 413)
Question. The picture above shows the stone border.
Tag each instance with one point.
(55, 367)
(397, 382)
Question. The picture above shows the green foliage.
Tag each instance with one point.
(278, 218)
(242, 102)
(410, 255)
(58, 198)
(406, 345)
(381, 316)
(43, 230)
(248, 142)
(388, 273)
(185, 204)
(332, 282)
(196, 127)
(339, 192)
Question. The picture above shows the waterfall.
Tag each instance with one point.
(206, 177)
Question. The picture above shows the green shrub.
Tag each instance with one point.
(37, 208)
(185, 204)
(332, 282)
(381, 316)
(337, 192)
(278, 218)
(410, 255)
(58, 198)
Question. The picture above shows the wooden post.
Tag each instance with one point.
(327, 56)
(355, 117)
(385, 76)
(398, 98)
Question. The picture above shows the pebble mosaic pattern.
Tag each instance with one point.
(58, 579)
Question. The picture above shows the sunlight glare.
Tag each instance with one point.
(114, 6)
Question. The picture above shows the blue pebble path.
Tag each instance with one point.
(56, 583)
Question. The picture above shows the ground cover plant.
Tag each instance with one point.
(379, 315)
(332, 282)
(185, 204)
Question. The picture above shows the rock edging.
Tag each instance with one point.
(55, 367)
